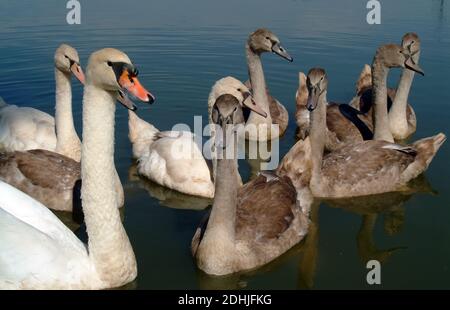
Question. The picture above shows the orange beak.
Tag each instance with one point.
(78, 72)
(134, 87)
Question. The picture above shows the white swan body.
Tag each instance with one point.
(30, 236)
(23, 128)
(26, 128)
(172, 158)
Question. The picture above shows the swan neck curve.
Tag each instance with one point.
(380, 111)
(67, 142)
(258, 82)
(109, 246)
(397, 114)
(318, 135)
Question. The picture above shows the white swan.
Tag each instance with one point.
(36, 250)
(25, 128)
(172, 158)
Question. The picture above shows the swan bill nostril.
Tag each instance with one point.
(151, 99)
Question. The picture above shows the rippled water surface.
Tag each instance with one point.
(181, 48)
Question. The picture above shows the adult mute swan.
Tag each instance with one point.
(36, 250)
(249, 225)
(368, 167)
(24, 128)
(172, 158)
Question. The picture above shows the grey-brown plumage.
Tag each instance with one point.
(251, 225)
(46, 176)
(265, 41)
(401, 122)
(361, 168)
(278, 112)
(402, 118)
(364, 102)
(340, 130)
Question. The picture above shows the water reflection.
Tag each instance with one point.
(181, 51)
(307, 265)
(391, 206)
(166, 197)
(241, 280)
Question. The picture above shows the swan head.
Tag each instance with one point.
(68, 61)
(231, 86)
(265, 41)
(411, 43)
(227, 110)
(228, 115)
(113, 71)
(317, 84)
(396, 56)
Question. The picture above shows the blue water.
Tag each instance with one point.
(181, 49)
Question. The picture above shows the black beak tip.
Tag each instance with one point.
(151, 99)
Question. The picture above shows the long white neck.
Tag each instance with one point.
(379, 81)
(256, 73)
(68, 143)
(109, 246)
(318, 137)
(397, 115)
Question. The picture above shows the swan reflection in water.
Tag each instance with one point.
(166, 197)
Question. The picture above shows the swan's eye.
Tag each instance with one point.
(109, 63)
(66, 56)
(267, 38)
(239, 90)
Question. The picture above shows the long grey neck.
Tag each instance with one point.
(379, 83)
(109, 247)
(318, 135)
(257, 79)
(67, 138)
(397, 114)
(222, 221)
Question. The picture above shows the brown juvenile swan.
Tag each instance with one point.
(244, 231)
(265, 41)
(368, 167)
(402, 118)
(346, 124)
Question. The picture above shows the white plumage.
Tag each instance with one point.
(24, 128)
(36, 249)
